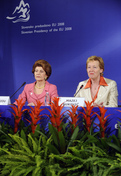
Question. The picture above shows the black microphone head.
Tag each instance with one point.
(81, 86)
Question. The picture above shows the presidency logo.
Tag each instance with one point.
(21, 13)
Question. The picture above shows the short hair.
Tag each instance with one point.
(96, 58)
(45, 65)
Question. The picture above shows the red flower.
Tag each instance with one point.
(35, 115)
(87, 114)
(56, 115)
(73, 115)
(102, 120)
(18, 112)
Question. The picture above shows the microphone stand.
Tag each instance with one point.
(78, 90)
(17, 90)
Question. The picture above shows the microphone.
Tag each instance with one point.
(17, 90)
(78, 90)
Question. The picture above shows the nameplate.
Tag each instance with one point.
(68, 101)
(5, 100)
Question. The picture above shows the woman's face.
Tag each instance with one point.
(40, 74)
(93, 69)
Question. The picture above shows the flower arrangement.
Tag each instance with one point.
(18, 112)
(61, 151)
(87, 114)
(103, 120)
(74, 117)
(57, 117)
(35, 115)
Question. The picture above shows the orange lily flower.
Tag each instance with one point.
(18, 112)
(87, 114)
(56, 115)
(102, 120)
(73, 115)
(35, 115)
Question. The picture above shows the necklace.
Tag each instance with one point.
(40, 87)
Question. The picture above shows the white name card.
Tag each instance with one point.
(5, 100)
(68, 101)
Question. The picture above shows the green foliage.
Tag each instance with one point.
(61, 142)
(39, 155)
(27, 156)
(82, 161)
(4, 137)
(58, 153)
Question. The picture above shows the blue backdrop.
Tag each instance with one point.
(63, 32)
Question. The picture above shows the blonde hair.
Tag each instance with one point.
(96, 58)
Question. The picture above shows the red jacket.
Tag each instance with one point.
(29, 95)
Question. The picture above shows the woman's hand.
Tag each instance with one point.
(31, 104)
(96, 105)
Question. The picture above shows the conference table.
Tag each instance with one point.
(113, 119)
